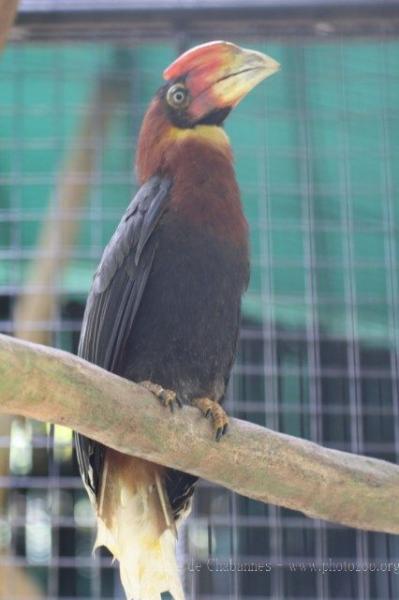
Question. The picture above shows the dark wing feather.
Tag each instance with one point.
(114, 299)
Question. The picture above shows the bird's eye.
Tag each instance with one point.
(177, 95)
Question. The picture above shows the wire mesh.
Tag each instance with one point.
(316, 153)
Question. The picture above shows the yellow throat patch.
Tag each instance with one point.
(207, 133)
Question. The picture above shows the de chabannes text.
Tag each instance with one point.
(217, 565)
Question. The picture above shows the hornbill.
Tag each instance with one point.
(164, 307)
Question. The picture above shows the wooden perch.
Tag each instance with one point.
(51, 385)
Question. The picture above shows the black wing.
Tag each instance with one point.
(114, 298)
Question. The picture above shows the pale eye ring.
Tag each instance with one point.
(177, 95)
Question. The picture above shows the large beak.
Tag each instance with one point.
(219, 74)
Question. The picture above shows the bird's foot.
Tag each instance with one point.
(219, 416)
(167, 398)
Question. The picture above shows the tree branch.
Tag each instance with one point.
(36, 306)
(51, 385)
(8, 9)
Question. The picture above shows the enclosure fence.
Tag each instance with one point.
(317, 153)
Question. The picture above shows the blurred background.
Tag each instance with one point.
(317, 156)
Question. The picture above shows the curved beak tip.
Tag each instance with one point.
(252, 59)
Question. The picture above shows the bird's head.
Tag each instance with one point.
(202, 86)
(206, 82)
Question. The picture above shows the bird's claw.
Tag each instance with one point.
(167, 398)
(220, 432)
(212, 408)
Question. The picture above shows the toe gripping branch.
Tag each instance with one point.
(208, 407)
(219, 416)
(167, 398)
